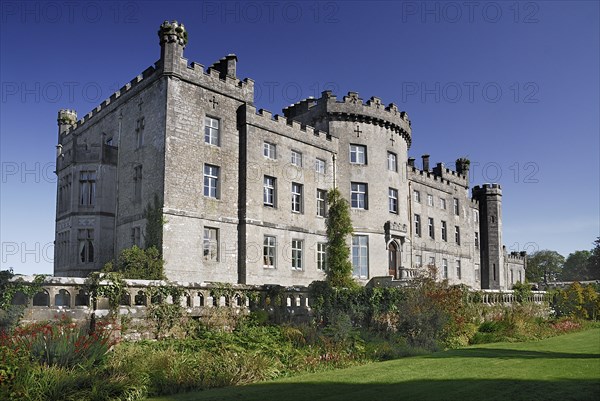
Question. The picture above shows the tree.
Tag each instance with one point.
(339, 227)
(544, 266)
(576, 266)
(593, 269)
(136, 263)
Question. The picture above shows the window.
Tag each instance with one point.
(211, 131)
(418, 261)
(269, 191)
(456, 207)
(211, 181)
(444, 231)
(430, 228)
(320, 166)
(476, 215)
(109, 141)
(269, 252)
(359, 195)
(87, 188)
(360, 256)
(269, 150)
(358, 154)
(322, 256)
(432, 261)
(63, 247)
(444, 268)
(476, 272)
(458, 272)
(296, 158)
(85, 239)
(429, 200)
(139, 133)
(494, 270)
(457, 235)
(297, 246)
(392, 162)
(512, 276)
(520, 277)
(137, 184)
(211, 244)
(417, 196)
(136, 237)
(443, 203)
(476, 240)
(64, 193)
(297, 190)
(417, 225)
(393, 200)
(321, 202)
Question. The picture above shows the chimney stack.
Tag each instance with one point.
(425, 162)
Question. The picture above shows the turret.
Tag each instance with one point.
(172, 38)
(490, 229)
(462, 167)
(66, 119)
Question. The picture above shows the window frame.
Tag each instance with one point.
(297, 198)
(320, 166)
(268, 248)
(296, 158)
(431, 227)
(321, 203)
(360, 256)
(209, 243)
(270, 150)
(297, 254)
(358, 154)
(417, 225)
(393, 200)
(212, 133)
(270, 189)
(209, 179)
(361, 193)
(392, 162)
(321, 253)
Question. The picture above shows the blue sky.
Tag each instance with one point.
(514, 86)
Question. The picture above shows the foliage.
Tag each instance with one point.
(339, 227)
(577, 301)
(544, 266)
(8, 289)
(154, 224)
(165, 315)
(594, 262)
(105, 284)
(62, 343)
(576, 266)
(522, 291)
(136, 263)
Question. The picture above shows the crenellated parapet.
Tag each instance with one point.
(487, 189)
(125, 91)
(351, 108)
(264, 119)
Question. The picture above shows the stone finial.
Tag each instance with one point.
(173, 32)
(67, 117)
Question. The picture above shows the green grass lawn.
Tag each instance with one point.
(559, 368)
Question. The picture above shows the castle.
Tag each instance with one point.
(243, 193)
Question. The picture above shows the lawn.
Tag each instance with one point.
(559, 368)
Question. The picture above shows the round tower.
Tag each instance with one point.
(370, 173)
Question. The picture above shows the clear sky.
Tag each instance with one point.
(514, 86)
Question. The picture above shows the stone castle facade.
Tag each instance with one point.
(243, 193)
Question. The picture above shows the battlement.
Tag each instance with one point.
(173, 32)
(65, 116)
(220, 76)
(516, 256)
(439, 173)
(487, 189)
(352, 108)
(266, 120)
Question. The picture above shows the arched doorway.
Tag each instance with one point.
(393, 258)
